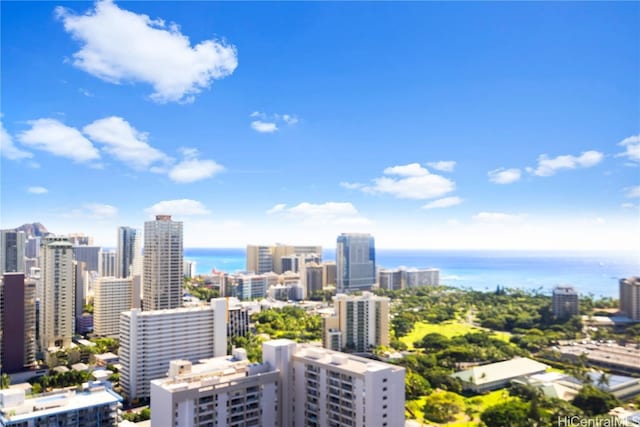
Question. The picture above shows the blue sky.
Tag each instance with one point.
(431, 125)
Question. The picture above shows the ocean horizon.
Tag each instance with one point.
(590, 272)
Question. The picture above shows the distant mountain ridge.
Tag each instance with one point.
(35, 229)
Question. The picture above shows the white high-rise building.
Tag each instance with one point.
(422, 277)
(296, 384)
(128, 251)
(58, 293)
(224, 391)
(111, 296)
(189, 268)
(359, 323)
(149, 340)
(322, 387)
(162, 281)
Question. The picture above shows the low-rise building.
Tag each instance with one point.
(493, 376)
(95, 406)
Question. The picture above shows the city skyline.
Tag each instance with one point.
(483, 125)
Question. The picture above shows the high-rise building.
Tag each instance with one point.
(630, 297)
(290, 263)
(189, 268)
(264, 259)
(259, 259)
(355, 262)
(329, 275)
(391, 279)
(57, 304)
(565, 302)
(127, 251)
(296, 384)
(32, 247)
(90, 255)
(162, 281)
(80, 279)
(238, 320)
(95, 405)
(416, 277)
(111, 296)
(321, 387)
(359, 323)
(18, 322)
(314, 278)
(80, 239)
(12, 251)
(107, 266)
(149, 340)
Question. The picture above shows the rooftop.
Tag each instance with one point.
(345, 361)
(517, 367)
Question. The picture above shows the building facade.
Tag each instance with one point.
(111, 296)
(359, 323)
(295, 385)
(162, 281)
(149, 340)
(321, 387)
(128, 250)
(416, 277)
(96, 405)
(57, 303)
(90, 255)
(565, 302)
(630, 297)
(107, 265)
(355, 262)
(12, 251)
(18, 322)
(224, 391)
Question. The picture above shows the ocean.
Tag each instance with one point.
(588, 272)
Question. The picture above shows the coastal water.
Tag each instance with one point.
(590, 273)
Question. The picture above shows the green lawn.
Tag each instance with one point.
(448, 329)
(478, 403)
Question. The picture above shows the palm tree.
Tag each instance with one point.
(5, 381)
(603, 380)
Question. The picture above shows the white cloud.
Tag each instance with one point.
(410, 181)
(181, 207)
(37, 190)
(443, 203)
(85, 92)
(351, 185)
(191, 170)
(124, 142)
(496, 217)
(120, 46)
(548, 167)
(412, 169)
(504, 176)
(8, 149)
(276, 208)
(268, 123)
(627, 205)
(264, 127)
(58, 139)
(632, 146)
(100, 211)
(633, 192)
(337, 213)
(443, 165)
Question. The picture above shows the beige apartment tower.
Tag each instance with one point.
(359, 324)
(58, 292)
(111, 296)
(630, 297)
(162, 281)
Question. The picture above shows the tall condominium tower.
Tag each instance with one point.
(356, 262)
(565, 301)
(630, 297)
(128, 250)
(111, 296)
(12, 251)
(58, 292)
(359, 323)
(259, 259)
(18, 317)
(162, 280)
